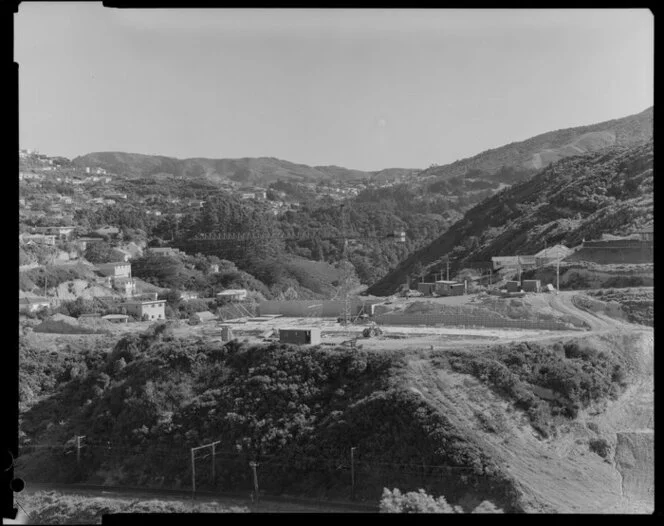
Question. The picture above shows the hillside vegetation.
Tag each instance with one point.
(251, 170)
(539, 151)
(583, 197)
(298, 411)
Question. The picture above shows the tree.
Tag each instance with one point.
(421, 502)
(98, 252)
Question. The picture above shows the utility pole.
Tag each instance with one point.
(78, 448)
(558, 276)
(193, 475)
(448, 269)
(193, 465)
(352, 473)
(253, 466)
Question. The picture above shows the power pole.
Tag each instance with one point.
(193, 475)
(557, 275)
(352, 473)
(193, 464)
(253, 466)
(78, 448)
(448, 269)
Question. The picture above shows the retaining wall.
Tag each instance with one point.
(468, 321)
(311, 308)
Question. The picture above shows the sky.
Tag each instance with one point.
(364, 89)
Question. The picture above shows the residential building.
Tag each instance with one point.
(163, 251)
(233, 294)
(108, 231)
(38, 238)
(426, 288)
(119, 269)
(62, 233)
(126, 286)
(33, 304)
(145, 309)
(300, 336)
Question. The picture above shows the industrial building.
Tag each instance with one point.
(300, 336)
(531, 285)
(450, 288)
(426, 288)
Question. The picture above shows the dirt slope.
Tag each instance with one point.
(561, 474)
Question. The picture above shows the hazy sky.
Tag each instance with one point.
(365, 89)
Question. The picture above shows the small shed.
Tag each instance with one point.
(300, 336)
(226, 333)
(512, 286)
(116, 318)
(426, 288)
(531, 285)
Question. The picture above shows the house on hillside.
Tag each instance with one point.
(202, 317)
(107, 231)
(63, 233)
(233, 294)
(426, 288)
(118, 269)
(33, 304)
(41, 239)
(150, 310)
(513, 262)
(163, 251)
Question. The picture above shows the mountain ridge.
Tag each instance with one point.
(527, 156)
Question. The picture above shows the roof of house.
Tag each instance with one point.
(445, 282)
(115, 317)
(231, 291)
(33, 301)
(142, 302)
(114, 264)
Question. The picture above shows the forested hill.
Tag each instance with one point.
(578, 197)
(258, 170)
(542, 150)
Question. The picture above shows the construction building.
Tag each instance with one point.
(450, 288)
(531, 285)
(300, 336)
(426, 288)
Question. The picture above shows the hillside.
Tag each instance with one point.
(259, 170)
(472, 425)
(540, 151)
(609, 192)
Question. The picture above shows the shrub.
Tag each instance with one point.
(600, 446)
(421, 502)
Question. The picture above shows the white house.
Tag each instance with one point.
(152, 310)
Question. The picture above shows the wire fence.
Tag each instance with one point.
(167, 467)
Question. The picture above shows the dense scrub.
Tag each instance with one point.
(637, 304)
(582, 197)
(573, 375)
(297, 411)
